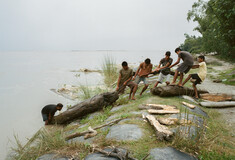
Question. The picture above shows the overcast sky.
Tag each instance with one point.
(38, 25)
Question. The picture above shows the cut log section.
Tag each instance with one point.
(218, 104)
(86, 107)
(188, 105)
(162, 132)
(169, 91)
(216, 97)
(172, 111)
(173, 121)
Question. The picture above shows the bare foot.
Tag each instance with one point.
(172, 84)
(140, 94)
(180, 85)
(133, 98)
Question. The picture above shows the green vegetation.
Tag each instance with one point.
(227, 77)
(109, 68)
(212, 142)
(216, 21)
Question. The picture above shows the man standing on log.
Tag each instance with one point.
(48, 112)
(164, 70)
(197, 78)
(142, 73)
(125, 79)
(183, 67)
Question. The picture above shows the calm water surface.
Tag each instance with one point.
(27, 77)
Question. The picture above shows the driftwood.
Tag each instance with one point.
(115, 152)
(173, 121)
(160, 109)
(218, 104)
(88, 106)
(89, 132)
(162, 132)
(216, 97)
(154, 111)
(188, 105)
(156, 106)
(169, 91)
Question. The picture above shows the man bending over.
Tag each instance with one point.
(125, 79)
(183, 67)
(142, 73)
(48, 112)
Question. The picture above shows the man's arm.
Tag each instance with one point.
(167, 65)
(136, 73)
(178, 61)
(195, 66)
(127, 80)
(119, 79)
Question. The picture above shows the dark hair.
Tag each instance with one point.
(59, 105)
(124, 63)
(147, 61)
(202, 57)
(177, 49)
(168, 53)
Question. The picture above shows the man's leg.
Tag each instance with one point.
(186, 80)
(134, 91)
(195, 90)
(181, 78)
(156, 84)
(175, 77)
(145, 87)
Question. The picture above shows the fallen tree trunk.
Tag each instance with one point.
(218, 104)
(162, 132)
(217, 97)
(169, 91)
(88, 106)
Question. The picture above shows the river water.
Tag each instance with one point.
(27, 77)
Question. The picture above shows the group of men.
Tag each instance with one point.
(131, 79)
(128, 78)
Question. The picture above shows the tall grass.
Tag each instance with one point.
(47, 141)
(109, 68)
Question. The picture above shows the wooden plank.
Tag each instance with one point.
(216, 97)
(188, 105)
(162, 132)
(172, 111)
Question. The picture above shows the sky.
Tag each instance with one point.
(65, 25)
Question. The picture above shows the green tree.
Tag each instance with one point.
(216, 23)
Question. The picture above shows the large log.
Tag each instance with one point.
(169, 91)
(218, 104)
(88, 106)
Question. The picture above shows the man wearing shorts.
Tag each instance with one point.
(145, 68)
(48, 112)
(164, 70)
(183, 67)
(197, 78)
(125, 79)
